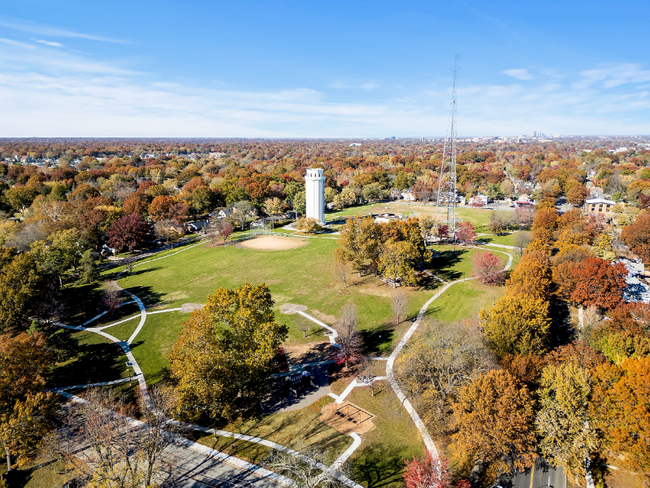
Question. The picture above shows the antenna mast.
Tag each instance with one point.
(447, 180)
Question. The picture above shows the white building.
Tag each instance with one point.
(315, 194)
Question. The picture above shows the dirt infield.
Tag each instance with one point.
(272, 243)
(346, 417)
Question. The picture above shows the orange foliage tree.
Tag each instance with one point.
(599, 283)
(533, 276)
(494, 416)
(159, 207)
(545, 224)
(622, 395)
(637, 236)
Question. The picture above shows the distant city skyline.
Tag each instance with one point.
(290, 69)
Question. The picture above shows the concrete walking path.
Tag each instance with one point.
(426, 437)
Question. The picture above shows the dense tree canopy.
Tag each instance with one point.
(223, 358)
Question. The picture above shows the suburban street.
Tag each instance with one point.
(541, 476)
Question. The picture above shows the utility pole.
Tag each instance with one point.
(447, 180)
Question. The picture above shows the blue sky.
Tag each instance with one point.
(322, 69)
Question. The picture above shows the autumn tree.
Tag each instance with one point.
(577, 194)
(221, 228)
(358, 242)
(397, 262)
(26, 413)
(159, 207)
(637, 236)
(533, 276)
(223, 357)
(241, 210)
(349, 338)
(518, 325)
(399, 305)
(129, 232)
(599, 283)
(545, 224)
(522, 239)
(621, 402)
(135, 203)
(20, 280)
(89, 271)
(305, 469)
(465, 233)
(487, 267)
(434, 368)
(308, 225)
(430, 472)
(568, 434)
(494, 421)
(118, 449)
(273, 206)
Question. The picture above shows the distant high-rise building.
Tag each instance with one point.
(315, 194)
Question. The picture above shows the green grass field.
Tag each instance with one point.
(302, 276)
(478, 216)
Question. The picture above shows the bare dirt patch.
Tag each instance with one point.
(272, 243)
(190, 307)
(346, 417)
(290, 308)
(311, 352)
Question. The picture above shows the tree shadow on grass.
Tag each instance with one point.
(85, 363)
(149, 297)
(378, 466)
(378, 340)
(117, 275)
(446, 259)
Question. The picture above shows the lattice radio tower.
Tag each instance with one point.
(447, 182)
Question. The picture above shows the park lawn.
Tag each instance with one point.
(123, 331)
(298, 429)
(464, 301)
(93, 359)
(455, 262)
(480, 217)
(505, 239)
(45, 471)
(303, 276)
(379, 460)
(151, 347)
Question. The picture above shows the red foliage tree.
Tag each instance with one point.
(129, 232)
(431, 472)
(465, 233)
(637, 236)
(487, 267)
(599, 283)
(178, 213)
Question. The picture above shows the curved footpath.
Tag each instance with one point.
(271, 479)
(264, 477)
(426, 437)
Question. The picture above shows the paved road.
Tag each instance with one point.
(541, 477)
(196, 471)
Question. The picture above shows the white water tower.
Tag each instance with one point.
(315, 194)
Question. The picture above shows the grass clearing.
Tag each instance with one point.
(379, 461)
(299, 430)
(480, 217)
(87, 358)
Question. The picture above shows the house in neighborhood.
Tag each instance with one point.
(224, 213)
(479, 200)
(598, 206)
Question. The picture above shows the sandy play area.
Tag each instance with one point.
(273, 243)
(346, 417)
